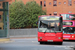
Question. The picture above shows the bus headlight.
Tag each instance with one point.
(40, 37)
(64, 33)
(59, 37)
(72, 36)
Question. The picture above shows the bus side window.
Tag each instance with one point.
(52, 24)
(57, 24)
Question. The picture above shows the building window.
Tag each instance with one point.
(9, 4)
(50, 14)
(59, 2)
(0, 4)
(54, 2)
(70, 12)
(64, 2)
(41, 3)
(70, 2)
(55, 13)
(0, 16)
(74, 2)
(0, 27)
(49, 3)
(44, 3)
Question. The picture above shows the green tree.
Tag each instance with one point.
(33, 11)
(17, 15)
(22, 15)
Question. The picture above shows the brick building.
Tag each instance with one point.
(54, 7)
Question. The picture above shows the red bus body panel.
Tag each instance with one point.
(50, 36)
(68, 37)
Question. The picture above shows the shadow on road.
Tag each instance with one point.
(69, 40)
(50, 43)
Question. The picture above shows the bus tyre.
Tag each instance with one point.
(41, 42)
(60, 43)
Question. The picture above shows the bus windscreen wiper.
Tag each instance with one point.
(54, 31)
(45, 31)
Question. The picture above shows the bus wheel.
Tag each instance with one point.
(41, 42)
(60, 43)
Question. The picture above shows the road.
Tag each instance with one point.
(32, 44)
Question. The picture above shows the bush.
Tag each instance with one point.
(22, 16)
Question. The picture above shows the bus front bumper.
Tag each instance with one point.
(68, 38)
(55, 40)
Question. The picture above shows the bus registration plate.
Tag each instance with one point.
(66, 39)
(50, 40)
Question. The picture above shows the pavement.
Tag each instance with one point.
(4, 40)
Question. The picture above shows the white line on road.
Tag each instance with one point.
(63, 46)
(66, 47)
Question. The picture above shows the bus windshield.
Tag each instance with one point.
(68, 16)
(49, 26)
(68, 30)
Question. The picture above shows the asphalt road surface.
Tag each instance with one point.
(33, 44)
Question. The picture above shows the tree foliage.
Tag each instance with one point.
(23, 15)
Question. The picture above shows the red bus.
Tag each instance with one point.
(50, 29)
(68, 26)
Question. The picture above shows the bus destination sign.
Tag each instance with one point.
(49, 18)
(67, 23)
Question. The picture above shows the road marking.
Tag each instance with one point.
(60, 46)
(65, 46)
(9, 41)
(68, 48)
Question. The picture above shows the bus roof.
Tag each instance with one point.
(48, 16)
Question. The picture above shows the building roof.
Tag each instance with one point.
(5, 0)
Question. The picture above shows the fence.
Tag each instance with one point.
(23, 32)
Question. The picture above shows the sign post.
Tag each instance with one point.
(4, 18)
